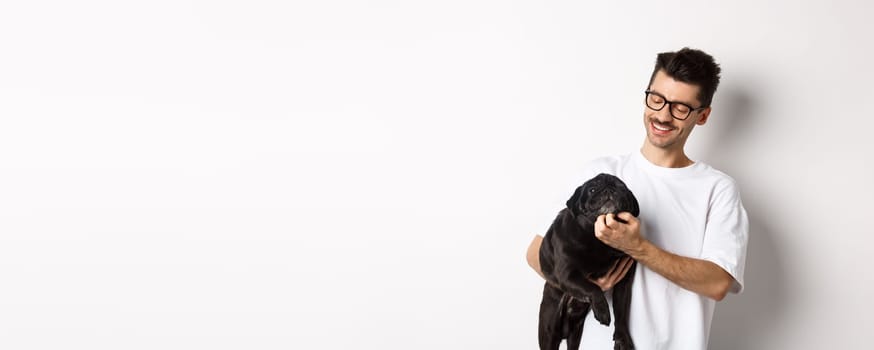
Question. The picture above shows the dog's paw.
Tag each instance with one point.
(623, 343)
(602, 313)
(623, 346)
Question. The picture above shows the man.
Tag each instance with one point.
(690, 239)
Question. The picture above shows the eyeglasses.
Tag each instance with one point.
(679, 110)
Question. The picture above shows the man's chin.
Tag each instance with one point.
(659, 142)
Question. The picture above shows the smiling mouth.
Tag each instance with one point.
(661, 128)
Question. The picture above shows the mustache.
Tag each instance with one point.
(666, 125)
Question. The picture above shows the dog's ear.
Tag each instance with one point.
(572, 202)
(635, 207)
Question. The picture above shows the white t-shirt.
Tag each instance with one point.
(694, 212)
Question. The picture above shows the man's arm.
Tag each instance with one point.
(699, 276)
(533, 254)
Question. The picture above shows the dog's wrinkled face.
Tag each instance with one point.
(602, 194)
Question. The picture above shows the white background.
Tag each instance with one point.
(368, 174)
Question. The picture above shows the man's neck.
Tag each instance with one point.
(666, 158)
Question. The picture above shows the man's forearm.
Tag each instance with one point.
(533, 257)
(533, 254)
(699, 276)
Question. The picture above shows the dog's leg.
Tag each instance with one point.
(621, 308)
(576, 319)
(549, 331)
(581, 288)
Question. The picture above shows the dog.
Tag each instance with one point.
(570, 255)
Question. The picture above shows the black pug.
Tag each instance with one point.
(570, 254)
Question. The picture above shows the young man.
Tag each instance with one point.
(690, 239)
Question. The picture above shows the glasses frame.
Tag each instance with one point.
(666, 103)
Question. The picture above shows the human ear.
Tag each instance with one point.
(704, 115)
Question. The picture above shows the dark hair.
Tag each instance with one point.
(690, 66)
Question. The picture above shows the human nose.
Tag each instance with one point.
(664, 115)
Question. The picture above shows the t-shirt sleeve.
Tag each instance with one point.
(726, 233)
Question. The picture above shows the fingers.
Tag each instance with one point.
(620, 267)
(625, 216)
(603, 282)
(610, 220)
(627, 262)
(602, 219)
(614, 267)
(616, 273)
(600, 226)
(605, 221)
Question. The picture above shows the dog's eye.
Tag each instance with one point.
(592, 190)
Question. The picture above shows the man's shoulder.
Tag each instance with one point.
(719, 181)
(718, 176)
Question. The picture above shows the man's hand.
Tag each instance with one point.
(699, 276)
(624, 237)
(617, 272)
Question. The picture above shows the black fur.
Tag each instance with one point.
(570, 254)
